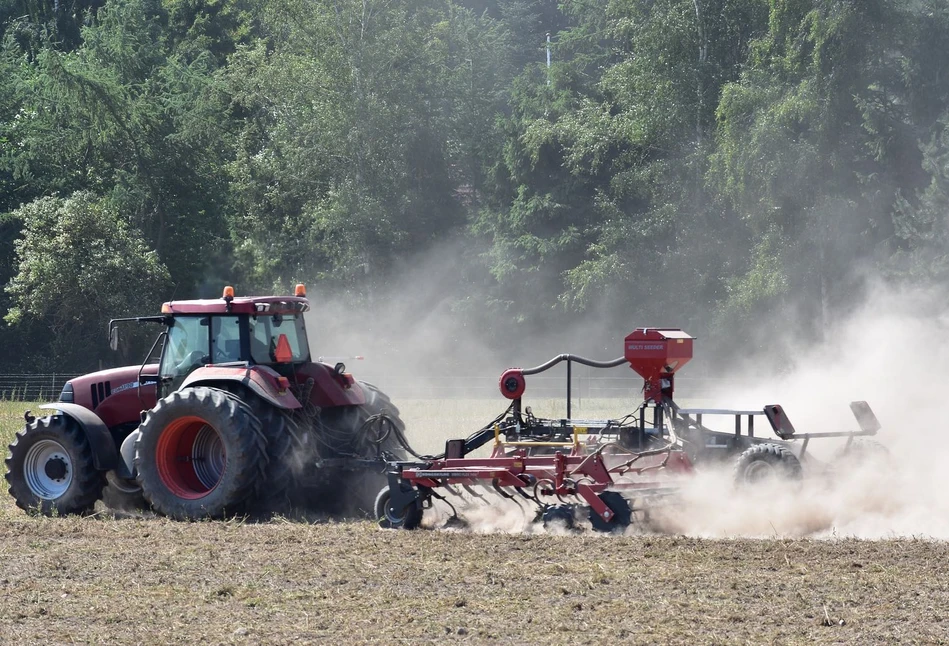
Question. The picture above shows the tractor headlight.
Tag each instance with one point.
(67, 395)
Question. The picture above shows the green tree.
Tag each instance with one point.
(363, 125)
(123, 116)
(74, 253)
(602, 195)
(815, 142)
(921, 241)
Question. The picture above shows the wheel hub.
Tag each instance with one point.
(56, 468)
(759, 471)
(48, 469)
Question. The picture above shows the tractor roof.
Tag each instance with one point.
(229, 304)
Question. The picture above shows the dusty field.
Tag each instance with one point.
(148, 581)
(153, 581)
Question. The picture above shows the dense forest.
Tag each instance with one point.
(719, 165)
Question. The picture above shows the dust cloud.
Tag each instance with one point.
(407, 330)
(892, 352)
(417, 337)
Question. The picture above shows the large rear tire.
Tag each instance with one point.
(50, 468)
(276, 490)
(201, 454)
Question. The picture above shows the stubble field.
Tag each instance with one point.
(147, 580)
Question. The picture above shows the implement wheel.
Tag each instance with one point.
(622, 513)
(767, 463)
(201, 454)
(409, 517)
(562, 515)
(50, 468)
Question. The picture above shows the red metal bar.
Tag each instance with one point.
(573, 474)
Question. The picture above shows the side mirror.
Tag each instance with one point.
(113, 337)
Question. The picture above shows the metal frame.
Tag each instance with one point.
(667, 446)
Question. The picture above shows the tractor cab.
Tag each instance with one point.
(232, 331)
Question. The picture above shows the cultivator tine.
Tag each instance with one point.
(506, 494)
(455, 520)
(451, 490)
(474, 493)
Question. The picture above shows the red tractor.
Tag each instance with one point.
(234, 418)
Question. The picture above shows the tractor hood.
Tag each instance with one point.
(114, 394)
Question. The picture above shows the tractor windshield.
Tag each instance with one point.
(278, 338)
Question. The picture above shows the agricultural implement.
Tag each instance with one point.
(233, 418)
(611, 469)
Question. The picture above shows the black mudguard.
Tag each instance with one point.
(401, 493)
(104, 455)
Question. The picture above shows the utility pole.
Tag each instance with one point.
(703, 56)
(700, 94)
(548, 58)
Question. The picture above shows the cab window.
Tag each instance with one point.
(225, 339)
(186, 347)
(265, 333)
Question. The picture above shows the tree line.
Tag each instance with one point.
(727, 166)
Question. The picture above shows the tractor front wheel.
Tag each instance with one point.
(50, 468)
(201, 454)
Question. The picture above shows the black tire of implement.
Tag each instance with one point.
(410, 517)
(622, 513)
(244, 442)
(87, 481)
(558, 514)
(785, 464)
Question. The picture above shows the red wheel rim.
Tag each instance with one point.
(190, 457)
